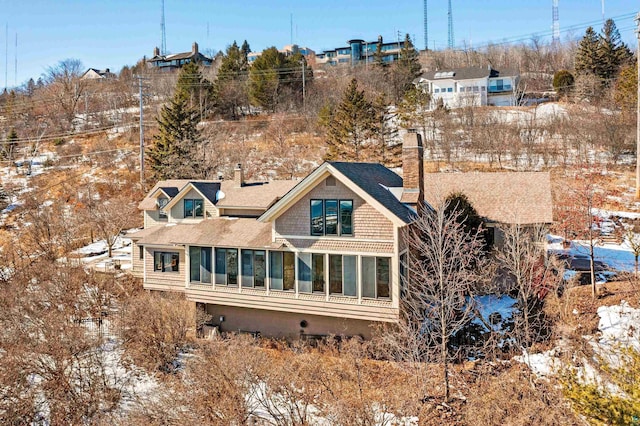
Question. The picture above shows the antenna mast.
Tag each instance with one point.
(15, 77)
(426, 28)
(452, 41)
(556, 22)
(163, 43)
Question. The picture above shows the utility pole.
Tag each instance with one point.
(638, 108)
(304, 89)
(140, 86)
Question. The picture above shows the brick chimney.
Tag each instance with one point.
(238, 176)
(412, 170)
(194, 48)
(156, 51)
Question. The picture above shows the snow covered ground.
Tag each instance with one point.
(96, 255)
(619, 327)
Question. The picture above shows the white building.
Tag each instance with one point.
(474, 86)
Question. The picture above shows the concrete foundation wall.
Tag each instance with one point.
(284, 324)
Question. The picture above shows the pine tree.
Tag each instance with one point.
(389, 146)
(588, 55)
(351, 126)
(405, 70)
(11, 144)
(197, 90)
(245, 51)
(378, 56)
(612, 51)
(414, 110)
(174, 154)
(264, 78)
(626, 89)
(230, 86)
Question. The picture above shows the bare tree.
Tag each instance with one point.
(65, 88)
(530, 277)
(442, 262)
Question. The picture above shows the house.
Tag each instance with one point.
(288, 50)
(323, 255)
(96, 74)
(500, 198)
(473, 86)
(359, 51)
(177, 60)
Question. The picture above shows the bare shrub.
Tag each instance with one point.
(155, 328)
(510, 398)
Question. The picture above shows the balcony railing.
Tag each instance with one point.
(498, 89)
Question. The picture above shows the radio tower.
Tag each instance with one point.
(426, 28)
(452, 41)
(163, 43)
(556, 23)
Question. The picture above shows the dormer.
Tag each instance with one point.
(195, 202)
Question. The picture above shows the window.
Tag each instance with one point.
(304, 273)
(254, 269)
(161, 203)
(475, 88)
(193, 207)
(317, 272)
(375, 277)
(317, 217)
(200, 264)
(436, 90)
(166, 261)
(331, 217)
(499, 84)
(281, 270)
(141, 252)
(483, 88)
(342, 275)
(403, 275)
(450, 89)
(226, 266)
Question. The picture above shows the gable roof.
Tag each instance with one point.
(505, 197)
(467, 73)
(149, 202)
(370, 181)
(170, 191)
(375, 179)
(208, 189)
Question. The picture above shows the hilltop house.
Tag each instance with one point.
(318, 256)
(359, 51)
(474, 86)
(177, 60)
(96, 74)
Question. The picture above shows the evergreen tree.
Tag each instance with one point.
(264, 77)
(245, 51)
(197, 90)
(563, 82)
(626, 89)
(405, 70)
(175, 151)
(588, 55)
(230, 87)
(414, 110)
(11, 144)
(389, 146)
(378, 56)
(350, 126)
(612, 51)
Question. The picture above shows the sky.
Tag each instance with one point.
(112, 33)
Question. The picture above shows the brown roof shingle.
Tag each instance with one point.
(220, 232)
(259, 195)
(506, 197)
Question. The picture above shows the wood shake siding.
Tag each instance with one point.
(151, 218)
(368, 223)
(137, 264)
(164, 280)
(177, 211)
